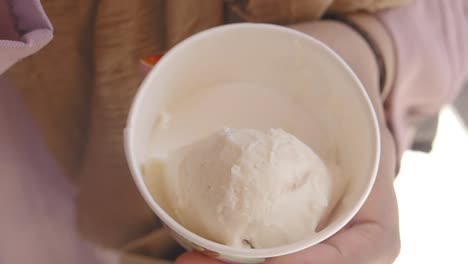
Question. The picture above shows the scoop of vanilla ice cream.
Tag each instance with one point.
(249, 189)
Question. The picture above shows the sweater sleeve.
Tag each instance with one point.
(33, 27)
(431, 42)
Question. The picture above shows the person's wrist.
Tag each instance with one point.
(7, 22)
(355, 51)
(350, 45)
(384, 42)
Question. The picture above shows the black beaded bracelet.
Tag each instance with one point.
(370, 41)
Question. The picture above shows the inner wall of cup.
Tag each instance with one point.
(292, 65)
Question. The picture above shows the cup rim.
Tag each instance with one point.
(214, 246)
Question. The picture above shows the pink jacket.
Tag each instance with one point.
(32, 20)
(431, 38)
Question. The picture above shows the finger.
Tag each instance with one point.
(364, 243)
(195, 258)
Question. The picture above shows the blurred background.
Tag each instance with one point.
(432, 193)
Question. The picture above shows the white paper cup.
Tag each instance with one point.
(265, 54)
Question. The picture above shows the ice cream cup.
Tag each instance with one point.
(263, 53)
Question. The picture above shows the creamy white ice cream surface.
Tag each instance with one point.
(248, 188)
(253, 185)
